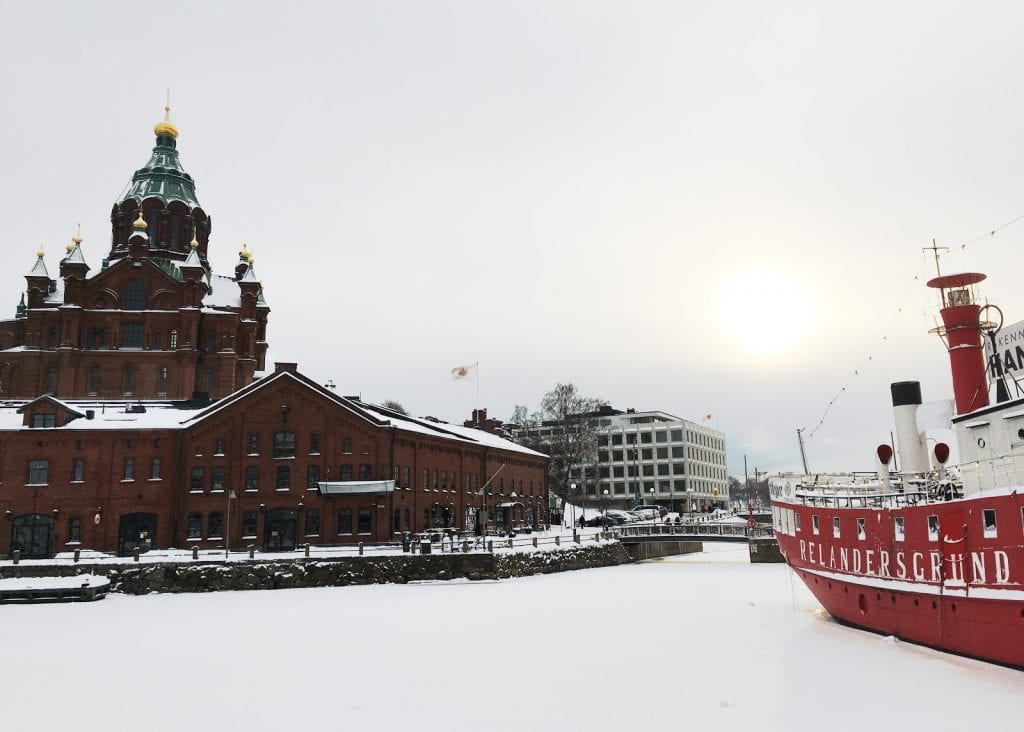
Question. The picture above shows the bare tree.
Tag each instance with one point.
(574, 425)
(394, 406)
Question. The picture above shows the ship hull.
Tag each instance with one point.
(957, 588)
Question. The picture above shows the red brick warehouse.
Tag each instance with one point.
(131, 413)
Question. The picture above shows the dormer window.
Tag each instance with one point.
(44, 420)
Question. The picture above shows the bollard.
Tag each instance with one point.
(195, 552)
(510, 542)
(78, 553)
(490, 546)
(558, 540)
(16, 556)
(252, 551)
(135, 555)
(576, 537)
(307, 550)
(360, 549)
(415, 547)
(535, 542)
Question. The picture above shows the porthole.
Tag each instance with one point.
(1020, 434)
(981, 442)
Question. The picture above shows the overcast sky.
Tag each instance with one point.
(701, 208)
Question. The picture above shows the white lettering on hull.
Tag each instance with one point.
(915, 566)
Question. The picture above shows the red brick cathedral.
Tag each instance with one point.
(132, 417)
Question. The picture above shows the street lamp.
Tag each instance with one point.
(604, 509)
(227, 526)
(572, 492)
(651, 491)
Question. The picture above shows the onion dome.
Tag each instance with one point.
(163, 177)
(140, 223)
(165, 126)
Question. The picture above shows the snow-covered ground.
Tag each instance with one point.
(703, 642)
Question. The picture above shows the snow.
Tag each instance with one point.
(707, 642)
(41, 583)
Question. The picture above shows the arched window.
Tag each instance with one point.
(153, 225)
(135, 295)
(128, 381)
(93, 385)
(284, 444)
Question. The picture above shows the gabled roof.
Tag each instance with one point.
(52, 400)
(261, 384)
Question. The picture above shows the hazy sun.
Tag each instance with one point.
(764, 311)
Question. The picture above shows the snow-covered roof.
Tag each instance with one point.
(224, 293)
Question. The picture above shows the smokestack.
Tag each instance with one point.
(906, 398)
(961, 326)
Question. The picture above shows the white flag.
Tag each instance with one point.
(464, 373)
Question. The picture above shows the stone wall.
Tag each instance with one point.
(203, 576)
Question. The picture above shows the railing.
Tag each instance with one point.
(669, 531)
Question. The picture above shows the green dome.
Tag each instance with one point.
(162, 177)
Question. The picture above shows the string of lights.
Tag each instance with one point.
(899, 310)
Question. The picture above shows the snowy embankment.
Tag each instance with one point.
(706, 642)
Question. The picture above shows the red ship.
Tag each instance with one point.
(931, 554)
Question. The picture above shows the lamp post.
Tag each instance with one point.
(572, 492)
(227, 525)
(604, 509)
(654, 516)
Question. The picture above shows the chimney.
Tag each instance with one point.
(282, 366)
(906, 398)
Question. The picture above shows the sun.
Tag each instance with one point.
(765, 311)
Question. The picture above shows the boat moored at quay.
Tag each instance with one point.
(933, 554)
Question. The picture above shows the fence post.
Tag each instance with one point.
(78, 553)
(307, 550)
(490, 546)
(195, 553)
(576, 537)
(16, 556)
(465, 546)
(252, 551)
(558, 540)
(510, 542)
(135, 555)
(535, 542)
(360, 549)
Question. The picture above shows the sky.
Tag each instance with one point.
(696, 207)
(705, 641)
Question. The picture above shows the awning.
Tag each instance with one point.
(355, 487)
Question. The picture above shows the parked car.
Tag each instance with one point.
(649, 510)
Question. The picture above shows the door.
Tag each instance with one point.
(280, 530)
(32, 535)
(136, 530)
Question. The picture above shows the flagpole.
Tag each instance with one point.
(477, 364)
